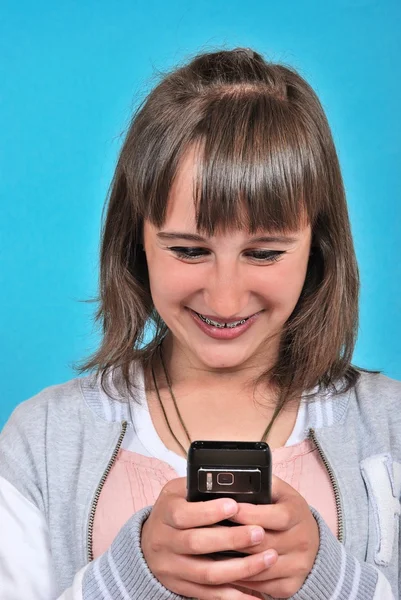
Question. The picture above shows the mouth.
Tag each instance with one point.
(222, 324)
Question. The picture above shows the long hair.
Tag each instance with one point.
(266, 145)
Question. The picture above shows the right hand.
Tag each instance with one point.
(176, 535)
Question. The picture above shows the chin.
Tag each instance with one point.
(223, 357)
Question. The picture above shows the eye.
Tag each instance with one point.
(265, 256)
(190, 253)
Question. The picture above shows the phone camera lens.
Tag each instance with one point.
(225, 478)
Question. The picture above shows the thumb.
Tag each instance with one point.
(176, 486)
(281, 490)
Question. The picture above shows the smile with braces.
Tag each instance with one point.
(222, 325)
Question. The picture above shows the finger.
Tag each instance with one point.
(181, 514)
(276, 517)
(299, 539)
(276, 588)
(209, 572)
(288, 566)
(282, 542)
(214, 539)
(284, 498)
(216, 592)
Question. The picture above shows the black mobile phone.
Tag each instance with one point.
(239, 470)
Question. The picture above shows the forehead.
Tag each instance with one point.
(181, 199)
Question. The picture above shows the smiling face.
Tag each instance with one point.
(225, 278)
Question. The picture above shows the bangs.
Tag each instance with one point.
(259, 165)
(256, 167)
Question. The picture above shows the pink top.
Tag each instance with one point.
(135, 481)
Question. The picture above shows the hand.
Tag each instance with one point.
(173, 545)
(292, 531)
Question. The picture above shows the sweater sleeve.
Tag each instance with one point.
(26, 568)
(122, 572)
(337, 575)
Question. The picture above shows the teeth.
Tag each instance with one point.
(222, 325)
(236, 323)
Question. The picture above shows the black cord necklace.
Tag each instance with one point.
(262, 439)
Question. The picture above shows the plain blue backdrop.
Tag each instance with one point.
(71, 73)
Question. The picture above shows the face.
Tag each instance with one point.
(204, 287)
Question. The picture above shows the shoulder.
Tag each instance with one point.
(53, 428)
(55, 416)
(56, 401)
(65, 409)
(371, 404)
(375, 404)
(375, 390)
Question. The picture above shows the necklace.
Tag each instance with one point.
(266, 432)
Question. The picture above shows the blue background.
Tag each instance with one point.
(71, 73)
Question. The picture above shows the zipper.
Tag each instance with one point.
(334, 483)
(89, 538)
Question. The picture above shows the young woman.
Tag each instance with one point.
(227, 241)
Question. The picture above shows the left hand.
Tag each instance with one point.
(292, 531)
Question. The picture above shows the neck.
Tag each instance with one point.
(215, 407)
(184, 369)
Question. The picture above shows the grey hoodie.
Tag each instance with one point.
(58, 447)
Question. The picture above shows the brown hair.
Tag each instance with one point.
(266, 145)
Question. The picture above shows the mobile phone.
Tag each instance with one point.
(238, 470)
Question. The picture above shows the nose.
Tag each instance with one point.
(226, 294)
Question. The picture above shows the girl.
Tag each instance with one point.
(227, 234)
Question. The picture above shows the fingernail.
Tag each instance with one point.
(269, 557)
(257, 535)
(230, 507)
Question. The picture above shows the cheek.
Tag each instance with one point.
(170, 283)
(282, 286)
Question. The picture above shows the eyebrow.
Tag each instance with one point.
(194, 237)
